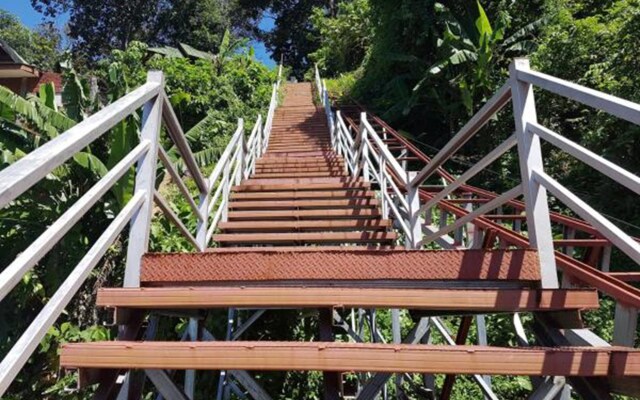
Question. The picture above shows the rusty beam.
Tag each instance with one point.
(480, 300)
(461, 339)
(357, 357)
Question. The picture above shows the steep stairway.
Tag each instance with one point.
(303, 234)
(301, 193)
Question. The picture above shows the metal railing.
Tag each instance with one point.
(405, 198)
(237, 161)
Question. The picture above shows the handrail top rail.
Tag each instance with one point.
(613, 105)
(496, 103)
(30, 169)
(226, 154)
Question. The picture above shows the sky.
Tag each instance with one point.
(23, 10)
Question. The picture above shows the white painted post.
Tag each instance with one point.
(530, 155)
(382, 179)
(365, 148)
(145, 183)
(226, 183)
(415, 221)
(605, 264)
(203, 207)
(335, 132)
(259, 138)
(481, 326)
(625, 324)
(190, 374)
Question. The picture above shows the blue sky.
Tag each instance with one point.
(23, 10)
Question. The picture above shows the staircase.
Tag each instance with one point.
(301, 193)
(302, 233)
(325, 212)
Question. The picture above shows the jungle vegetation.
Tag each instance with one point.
(425, 66)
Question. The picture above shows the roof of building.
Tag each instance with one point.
(9, 56)
(49, 77)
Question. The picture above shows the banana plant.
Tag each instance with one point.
(470, 50)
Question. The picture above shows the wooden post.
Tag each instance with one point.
(530, 155)
(145, 182)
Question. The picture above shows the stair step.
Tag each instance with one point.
(303, 204)
(299, 187)
(310, 248)
(303, 195)
(303, 181)
(306, 237)
(355, 357)
(308, 225)
(344, 267)
(303, 214)
(464, 300)
(318, 153)
(291, 174)
(298, 161)
(298, 169)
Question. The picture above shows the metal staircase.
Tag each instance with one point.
(329, 209)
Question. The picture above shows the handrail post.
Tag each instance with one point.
(203, 207)
(259, 139)
(335, 132)
(145, 183)
(414, 219)
(530, 157)
(242, 144)
(382, 180)
(365, 147)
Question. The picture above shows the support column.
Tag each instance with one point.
(331, 380)
(530, 157)
(415, 220)
(625, 325)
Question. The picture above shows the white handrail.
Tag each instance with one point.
(621, 108)
(30, 169)
(23, 174)
(480, 119)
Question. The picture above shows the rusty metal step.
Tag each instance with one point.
(331, 159)
(302, 181)
(302, 195)
(306, 226)
(298, 168)
(303, 214)
(306, 237)
(303, 204)
(291, 174)
(347, 266)
(356, 357)
(247, 186)
(441, 300)
(310, 248)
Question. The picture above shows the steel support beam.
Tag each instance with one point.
(374, 385)
(331, 380)
(165, 385)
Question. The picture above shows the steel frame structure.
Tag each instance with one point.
(452, 215)
(464, 213)
(236, 163)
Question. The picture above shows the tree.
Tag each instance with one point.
(294, 36)
(96, 31)
(40, 47)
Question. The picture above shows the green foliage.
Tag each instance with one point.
(39, 47)
(208, 97)
(96, 31)
(345, 39)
